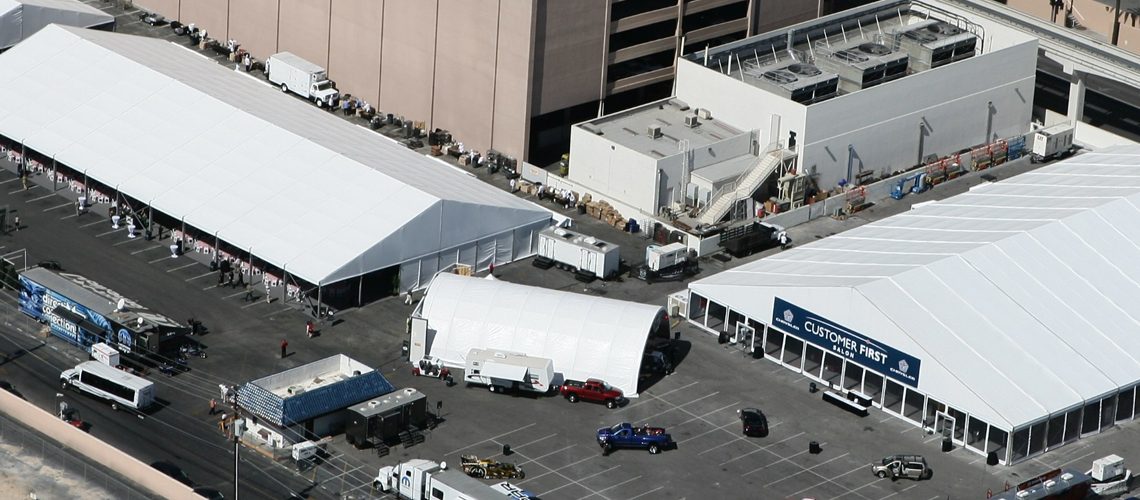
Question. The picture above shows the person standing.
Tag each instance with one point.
(248, 297)
(309, 328)
(213, 406)
(284, 347)
(16, 221)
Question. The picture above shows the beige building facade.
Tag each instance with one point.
(512, 75)
(1095, 17)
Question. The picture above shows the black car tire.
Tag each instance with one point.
(882, 474)
(654, 449)
(63, 384)
(115, 406)
(573, 398)
(611, 404)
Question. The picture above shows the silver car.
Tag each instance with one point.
(908, 466)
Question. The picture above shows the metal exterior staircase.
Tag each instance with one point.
(726, 197)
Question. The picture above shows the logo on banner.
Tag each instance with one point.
(788, 316)
(903, 365)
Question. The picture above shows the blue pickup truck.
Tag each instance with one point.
(624, 435)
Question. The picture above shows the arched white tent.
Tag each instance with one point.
(585, 336)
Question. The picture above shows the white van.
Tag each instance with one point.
(122, 389)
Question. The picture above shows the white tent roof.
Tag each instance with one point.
(303, 190)
(1018, 296)
(585, 336)
(20, 19)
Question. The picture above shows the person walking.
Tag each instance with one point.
(240, 280)
(309, 328)
(284, 347)
(16, 221)
(24, 179)
(222, 423)
(213, 406)
(248, 297)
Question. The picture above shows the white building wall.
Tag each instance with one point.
(882, 124)
(739, 104)
(602, 165)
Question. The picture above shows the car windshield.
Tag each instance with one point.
(615, 428)
(325, 85)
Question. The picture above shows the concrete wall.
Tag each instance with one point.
(614, 170)
(569, 53)
(253, 23)
(739, 104)
(1095, 16)
(950, 102)
(157, 483)
(303, 29)
(355, 37)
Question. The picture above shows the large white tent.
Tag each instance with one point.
(20, 19)
(1017, 298)
(226, 153)
(585, 336)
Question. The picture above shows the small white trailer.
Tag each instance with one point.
(664, 263)
(426, 480)
(502, 370)
(586, 256)
(299, 76)
(1052, 142)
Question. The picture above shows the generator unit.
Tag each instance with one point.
(863, 65)
(796, 80)
(933, 43)
(665, 263)
(1052, 142)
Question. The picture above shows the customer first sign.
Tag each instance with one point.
(840, 340)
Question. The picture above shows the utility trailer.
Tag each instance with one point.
(586, 256)
(674, 261)
(384, 420)
(502, 370)
(754, 236)
(426, 480)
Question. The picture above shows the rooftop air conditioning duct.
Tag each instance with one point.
(933, 43)
(654, 131)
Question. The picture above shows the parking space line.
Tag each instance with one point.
(44, 197)
(540, 464)
(854, 491)
(68, 216)
(457, 450)
(100, 221)
(821, 483)
(113, 231)
(809, 469)
(535, 459)
(904, 490)
(580, 479)
(517, 446)
(599, 492)
(200, 276)
(68, 204)
(701, 417)
(567, 466)
(736, 438)
(254, 303)
(619, 410)
(128, 240)
(646, 493)
(781, 460)
(33, 186)
(14, 179)
(1075, 459)
(234, 294)
(279, 311)
(160, 259)
(762, 448)
(179, 268)
(136, 252)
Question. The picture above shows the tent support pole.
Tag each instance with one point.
(284, 285)
(84, 183)
(54, 176)
(360, 292)
(150, 220)
(217, 248)
(250, 266)
(319, 315)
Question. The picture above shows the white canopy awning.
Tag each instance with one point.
(504, 371)
(586, 337)
(227, 154)
(1017, 296)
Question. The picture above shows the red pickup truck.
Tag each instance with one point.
(592, 390)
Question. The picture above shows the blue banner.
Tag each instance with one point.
(45, 305)
(845, 342)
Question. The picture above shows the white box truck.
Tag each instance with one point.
(502, 370)
(1052, 142)
(301, 77)
(426, 480)
(586, 256)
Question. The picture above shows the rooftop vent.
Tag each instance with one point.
(862, 65)
(704, 114)
(654, 131)
(933, 43)
(799, 81)
(691, 121)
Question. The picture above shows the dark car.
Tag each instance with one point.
(173, 471)
(753, 422)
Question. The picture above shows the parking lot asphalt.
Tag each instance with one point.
(551, 438)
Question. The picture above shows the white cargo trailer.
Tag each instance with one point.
(502, 370)
(426, 480)
(1052, 142)
(587, 256)
(294, 74)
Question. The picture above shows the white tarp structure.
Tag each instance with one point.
(263, 171)
(586, 337)
(20, 19)
(1018, 297)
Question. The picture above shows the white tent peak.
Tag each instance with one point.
(20, 19)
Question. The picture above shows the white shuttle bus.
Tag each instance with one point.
(122, 389)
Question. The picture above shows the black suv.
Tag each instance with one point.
(753, 422)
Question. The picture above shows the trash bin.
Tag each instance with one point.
(813, 448)
(506, 450)
(758, 353)
(992, 458)
(677, 335)
(723, 338)
(947, 445)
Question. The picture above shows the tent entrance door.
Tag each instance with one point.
(944, 425)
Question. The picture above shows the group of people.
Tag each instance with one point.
(565, 197)
(351, 105)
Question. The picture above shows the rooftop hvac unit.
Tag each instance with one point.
(801, 82)
(866, 64)
(691, 121)
(934, 43)
(704, 114)
(654, 131)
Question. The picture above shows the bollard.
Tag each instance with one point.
(506, 450)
